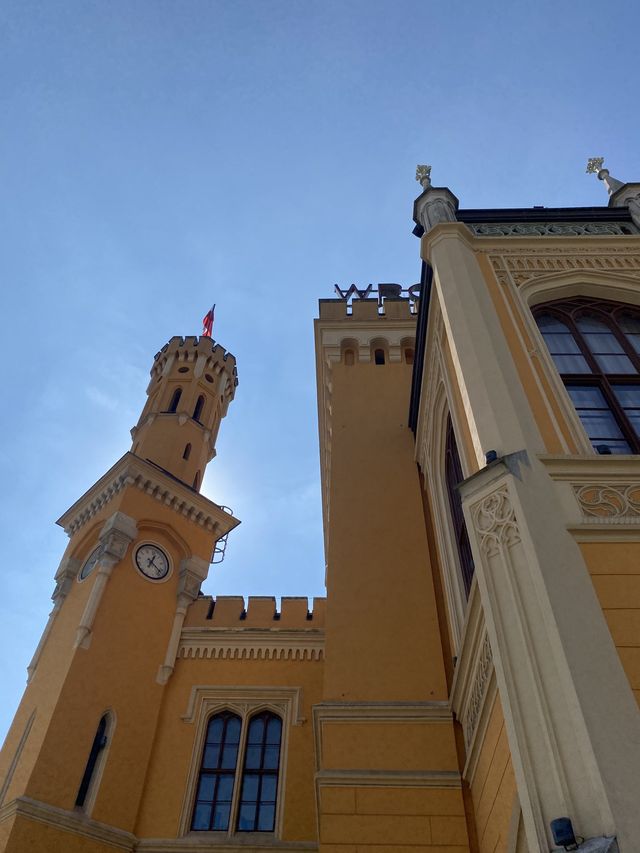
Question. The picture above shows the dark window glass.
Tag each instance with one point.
(454, 476)
(217, 773)
(198, 409)
(596, 347)
(378, 356)
(173, 405)
(99, 743)
(257, 807)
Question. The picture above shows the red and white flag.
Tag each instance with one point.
(207, 323)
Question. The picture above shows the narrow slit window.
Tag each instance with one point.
(453, 478)
(187, 451)
(197, 412)
(99, 743)
(175, 399)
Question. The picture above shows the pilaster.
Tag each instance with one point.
(575, 751)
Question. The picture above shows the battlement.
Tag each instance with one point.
(367, 310)
(204, 350)
(229, 611)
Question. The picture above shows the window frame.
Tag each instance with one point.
(239, 772)
(204, 703)
(460, 533)
(99, 763)
(568, 311)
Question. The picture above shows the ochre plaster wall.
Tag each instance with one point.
(29, 836)
(375, 487)
(493, 787)
(174, 748)
(392, 820)
(615, 571)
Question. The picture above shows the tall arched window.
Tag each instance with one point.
(175, 399)
(260, 774)
(249, 753)
(98, 745)
(595, 346)
(199, 407)
(217, 773)
(453, 477)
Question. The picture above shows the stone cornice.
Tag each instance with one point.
(251, 644)
(131, 471)
(247, 842)
(75, 822)
(78, 823)
(389, 778)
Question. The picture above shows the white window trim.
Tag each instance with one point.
(437, 394)
(206, 701)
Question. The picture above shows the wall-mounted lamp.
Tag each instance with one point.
(562, 831)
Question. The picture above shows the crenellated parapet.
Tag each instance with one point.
(230, 611)
(225, 629)
(364, 325)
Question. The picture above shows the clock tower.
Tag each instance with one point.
(140, 545)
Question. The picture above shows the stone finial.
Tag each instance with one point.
(423, 176)
(435, 204)
(620, 195)
(594, 165)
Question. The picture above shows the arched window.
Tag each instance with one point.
(196, 481)
(595, 346)
(175, 399)
(349, 357)
(199, 407)
(453, 477)
(187, 451)
(408, 355)
(214, 793)
(99, 743)
(257, 809)
(378, 356)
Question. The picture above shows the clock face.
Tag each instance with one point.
(152, 562)
(90, 563)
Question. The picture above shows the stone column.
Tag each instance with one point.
(192, 573)
(116, 535)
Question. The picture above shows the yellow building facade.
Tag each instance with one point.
(469, 680)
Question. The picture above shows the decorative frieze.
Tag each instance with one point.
(550, 229)
(609, 502)
(148, 478)
(251, 644)
(519, 266)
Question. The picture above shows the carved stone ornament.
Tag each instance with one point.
(551, 229)
(619, 502)
(495, 522)
(594, 164)
(519, 267)
(484, 668)
(423, 176)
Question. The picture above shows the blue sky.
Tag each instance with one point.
(158, 156)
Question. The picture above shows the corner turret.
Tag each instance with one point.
(193, 380)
